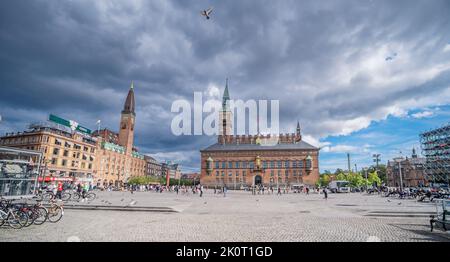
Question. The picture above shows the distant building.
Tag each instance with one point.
(66, 155)
(191, 176)
(171, 169)
(153, 167)
(412, 169)
(238, 161)
(73, 152)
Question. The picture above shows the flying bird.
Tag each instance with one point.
(207, 13)
(391, 57)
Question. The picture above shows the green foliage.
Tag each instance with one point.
(373, 178)
(354, 179)
(341, 176)
(324, 180)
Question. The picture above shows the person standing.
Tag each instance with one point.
(279, 191)
(307, 191)
(224, 189)
(201, 190)
(59, 190)
(325, 193)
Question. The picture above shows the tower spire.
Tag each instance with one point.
(226, 96)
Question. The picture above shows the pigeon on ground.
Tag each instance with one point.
(389, 200)
(121, 200)
(399, 203)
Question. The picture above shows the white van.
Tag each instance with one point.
(339, 186)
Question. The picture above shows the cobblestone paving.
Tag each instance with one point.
(241, 217)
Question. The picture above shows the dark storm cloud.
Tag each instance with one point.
(324, 61)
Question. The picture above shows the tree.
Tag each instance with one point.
(373, 178)
(341, 176)
(381, 171)
(324, 180)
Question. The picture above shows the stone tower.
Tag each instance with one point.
(225, 117)
(127, 120)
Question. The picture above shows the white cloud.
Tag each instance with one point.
(447, 48)
(424, 114)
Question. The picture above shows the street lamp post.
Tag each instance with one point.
(365, 174)
(399, 161)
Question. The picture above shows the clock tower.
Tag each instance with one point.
(127, 120)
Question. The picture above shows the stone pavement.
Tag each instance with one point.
(241, 216)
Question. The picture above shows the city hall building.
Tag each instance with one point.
(245, 160)
(72, 152)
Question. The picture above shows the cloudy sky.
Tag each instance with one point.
(361, 76)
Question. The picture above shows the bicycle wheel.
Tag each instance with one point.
(91, 196)
(55, 214)
(31, 217)
(65, 196)
(17, 219)
(41, 215)
(47, 196)
(3, 217)
(76, 196)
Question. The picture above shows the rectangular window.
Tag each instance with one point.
(300, 164)
(55, 151)
(224, 165)
(264, 164)
(237, 164)
(244, 173)
(223, 173)
(217, 173)
(252, 165)
(294, 164)
(66, 153)
(272, 173)
(286, 164)
(279, 164)
(54, 161)
(237, 173)
(272, 164)
(244, 164)
(217, 165)
(308, 164)
(230, 174)
(230, 164)
(64, 162)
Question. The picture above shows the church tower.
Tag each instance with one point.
(298, 133)
(225, 117)
(126, 131)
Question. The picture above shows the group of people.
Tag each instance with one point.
(57, 188)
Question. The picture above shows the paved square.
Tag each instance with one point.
(241, 216)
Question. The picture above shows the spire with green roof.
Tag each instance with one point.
(225, 98)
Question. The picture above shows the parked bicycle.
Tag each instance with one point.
(12, 214)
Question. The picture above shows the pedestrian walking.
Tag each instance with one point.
(279, 191)
(325, 193)
(224, 189)
(307, 191)
(59, 190)
(201, 191)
